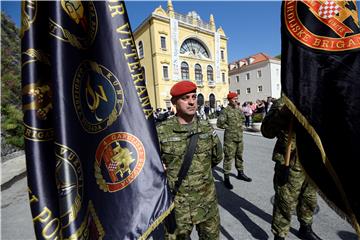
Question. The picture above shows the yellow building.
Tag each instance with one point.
(174, 47)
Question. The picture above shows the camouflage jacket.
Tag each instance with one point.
(231, 119)
(197, 190)
(276, 124)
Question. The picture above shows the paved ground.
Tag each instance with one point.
(245, 211)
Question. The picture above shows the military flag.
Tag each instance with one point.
(93, 164)
(320, 78)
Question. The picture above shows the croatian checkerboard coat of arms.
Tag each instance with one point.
(119, 159)
(320, 59)
(333, 25)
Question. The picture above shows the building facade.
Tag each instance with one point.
(255, 77)
(174, 47)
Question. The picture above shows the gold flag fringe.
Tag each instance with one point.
(350, 216)
(338, 211)
(156, 223)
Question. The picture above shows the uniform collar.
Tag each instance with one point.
(186, 128)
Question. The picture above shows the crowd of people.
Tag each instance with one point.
(163, 114)
(205, 112)
(190, 149)
(249, 109)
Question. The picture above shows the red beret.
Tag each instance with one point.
(231, 95)
(182, 88)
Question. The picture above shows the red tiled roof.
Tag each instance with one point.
(259, 57)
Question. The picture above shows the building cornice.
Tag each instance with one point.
(181, 23)
(189, 58)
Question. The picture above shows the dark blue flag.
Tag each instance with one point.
(320, 76)
(94, 170)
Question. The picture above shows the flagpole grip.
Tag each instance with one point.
(289, 141)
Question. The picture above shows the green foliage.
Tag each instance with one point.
(257, 117)
(12, 125)
(11, 113)
(278, 56)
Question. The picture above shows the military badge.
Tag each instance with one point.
(69, 181)
(334, 25)
(81, 18)
(41, 96)
(38, 99)
(120, 158)
(97, 95)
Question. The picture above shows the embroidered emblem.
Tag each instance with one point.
(120, 158)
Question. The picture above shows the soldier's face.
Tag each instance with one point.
(233, 101)
(187, 104)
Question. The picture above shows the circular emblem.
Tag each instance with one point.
(120, 158)
(324, 25)
(69, 182)
(37, 108)
(28, 15)
(97, 95)
(79, 25)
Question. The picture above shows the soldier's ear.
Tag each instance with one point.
(173, 100)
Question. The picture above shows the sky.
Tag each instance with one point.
(250, 26)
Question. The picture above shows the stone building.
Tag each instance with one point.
(174, 47)
(255, 77)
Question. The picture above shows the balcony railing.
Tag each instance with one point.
(211, 83)
(199, 83)
(192, 21)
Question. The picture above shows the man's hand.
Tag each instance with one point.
(285, 117)
(283, 176)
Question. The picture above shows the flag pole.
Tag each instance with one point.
(289, 140)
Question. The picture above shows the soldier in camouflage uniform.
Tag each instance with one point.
(231, 119)
(196, 201)
(292, 188)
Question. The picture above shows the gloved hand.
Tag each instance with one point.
(283, 176)
(285, 116)
(285, 112)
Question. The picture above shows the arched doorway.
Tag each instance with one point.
(212, 100)
(200, 100)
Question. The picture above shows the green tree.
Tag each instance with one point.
(11, 113)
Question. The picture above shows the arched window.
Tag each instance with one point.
(193, 47)
(210, 74)
(141, 49)
(200, 100)
(198, 73)
(184, 71)
(212, 100)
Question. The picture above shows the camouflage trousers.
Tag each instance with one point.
(233, 150)
(207, 230)
(296, 193)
